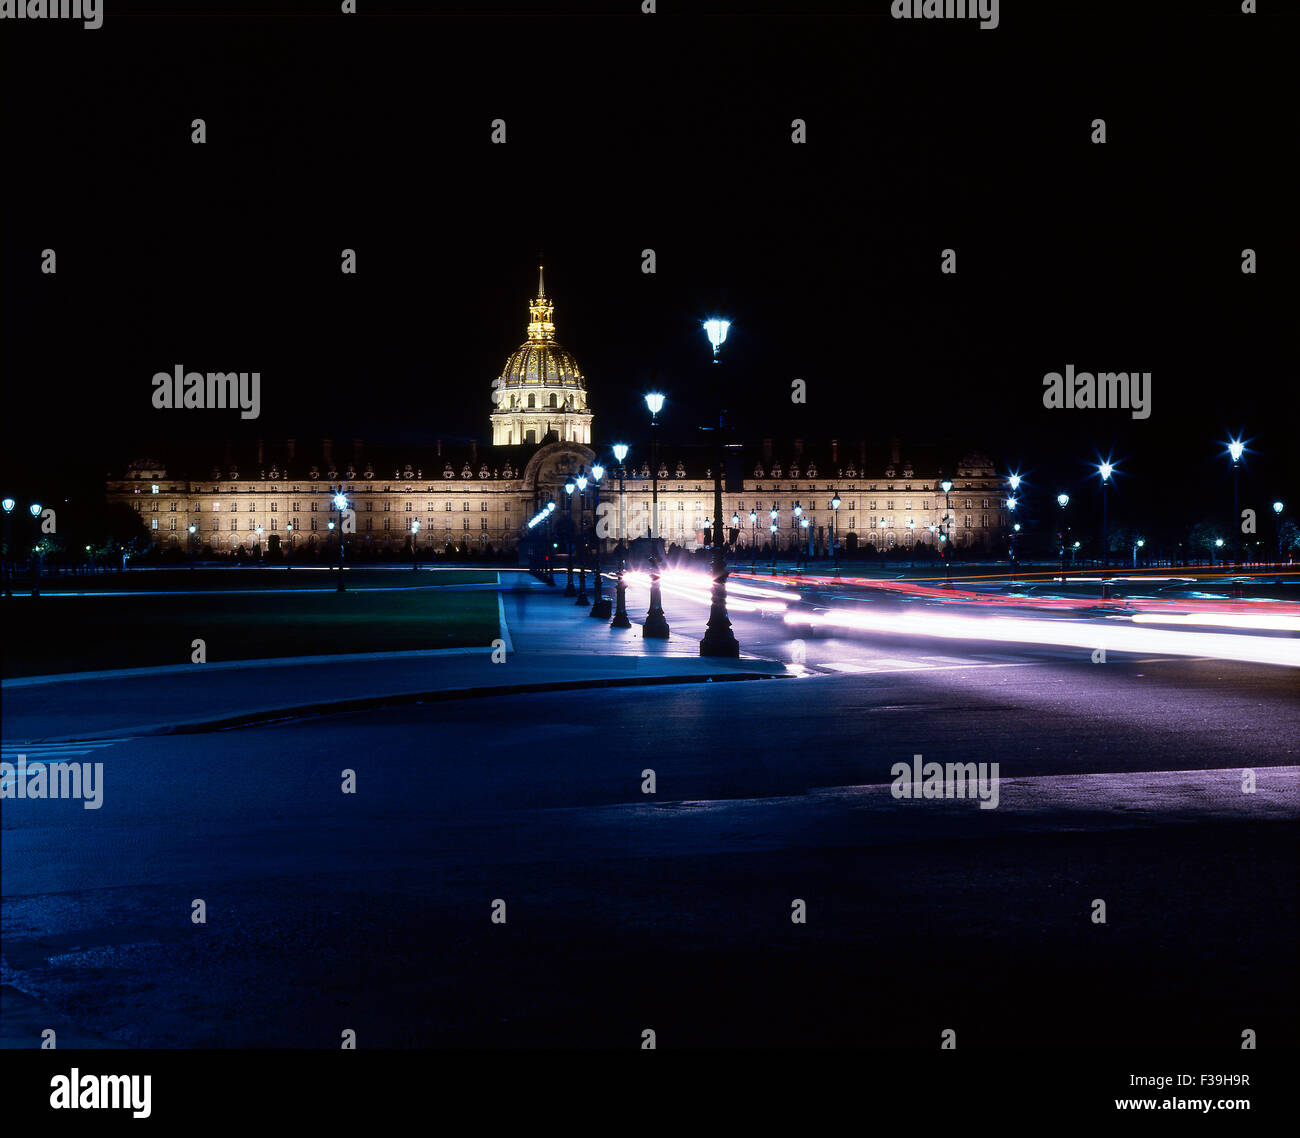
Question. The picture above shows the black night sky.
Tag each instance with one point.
(669, 132)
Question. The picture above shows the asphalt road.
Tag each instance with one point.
(625, 911)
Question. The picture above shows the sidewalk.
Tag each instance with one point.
(552, 644)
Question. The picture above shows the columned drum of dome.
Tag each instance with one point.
(540, 390)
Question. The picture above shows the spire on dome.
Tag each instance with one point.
(541, 327)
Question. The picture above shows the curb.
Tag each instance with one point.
(403, 699)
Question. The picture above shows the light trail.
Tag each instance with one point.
(1061, 634)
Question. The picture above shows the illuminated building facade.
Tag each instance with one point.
(461, 496)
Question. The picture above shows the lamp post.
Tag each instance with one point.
(1063, 500)
(719, 639)
(289, 530)
(911, 543)
(1136, 546)
(35, 510)
(340, 504)
(415, 544)
(773, 527)
(8, 548)
(1013, 481)
(656, 625)
(193, 531)
(581, 481)
(753, 542)
(599, 603)
(620, 608)
(569, 590)
(835, 530)
(1105, 469)
(946, 487)
(798, 521)
(1012, 502)
(1278, 507)
(1218, 544)
(551, 507)
(1236, 448)
(805, 546)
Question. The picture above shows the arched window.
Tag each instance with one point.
(532, 402)
(551, 402)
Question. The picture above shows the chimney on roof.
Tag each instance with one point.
(357, 448)
(327, 451)
(862, 455)
(895, 451)
(798, 448)
(473, 452)
(767, 450)
(259, 452)
(835, 450)
(440, 448)
(289, 445)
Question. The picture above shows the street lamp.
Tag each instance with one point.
(600, 603)
(415, 544)
(753, 543)
(946, 487)
(1136, 546)
(773, 514)
(35, 510)
(1063, 500)
(581, 482)
(1236, 448)
(835, 530)
(8, 548)
(1105, 470)
(289, 529)
(569, 590)
(620, 609)
(655, 625)
(1278, 507)
(193, 531)
(549, 570)
(719, 639)
(911, 542)
(340, 504)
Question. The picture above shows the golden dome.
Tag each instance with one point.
(540, 361)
